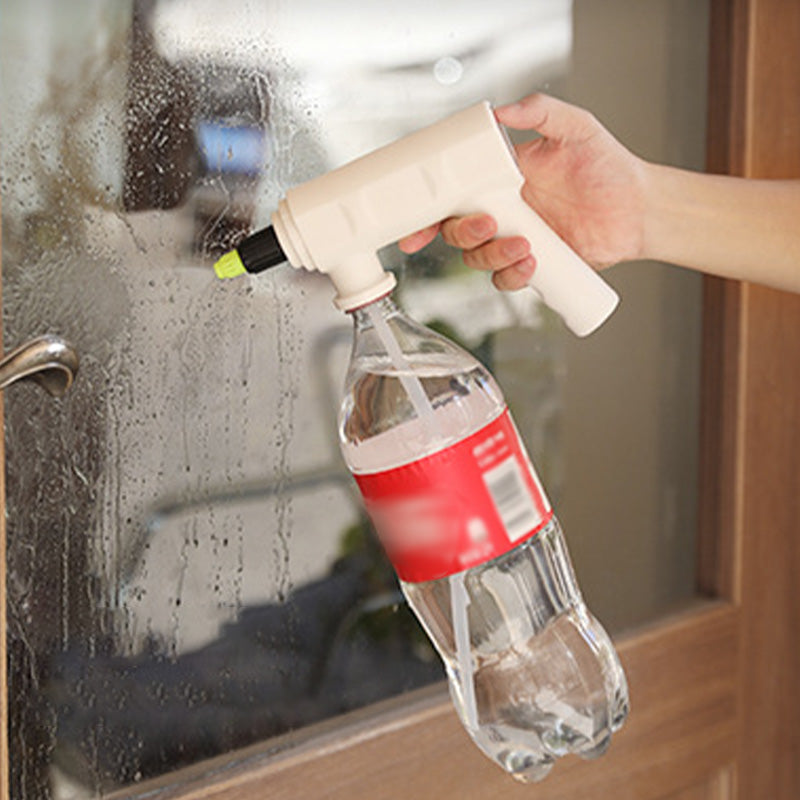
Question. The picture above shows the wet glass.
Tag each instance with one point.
(189, 567)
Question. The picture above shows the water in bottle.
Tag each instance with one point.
(478, 550)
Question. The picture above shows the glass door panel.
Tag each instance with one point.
(190, 570)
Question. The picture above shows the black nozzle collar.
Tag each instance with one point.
(261, 250)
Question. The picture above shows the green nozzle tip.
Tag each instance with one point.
(229, 266)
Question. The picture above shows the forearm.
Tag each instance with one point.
(731, 227)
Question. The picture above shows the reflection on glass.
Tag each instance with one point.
(189, 569)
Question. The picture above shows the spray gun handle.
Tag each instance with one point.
(562, 279)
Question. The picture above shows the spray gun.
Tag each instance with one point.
(463, 164)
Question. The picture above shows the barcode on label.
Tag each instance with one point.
(512, 498)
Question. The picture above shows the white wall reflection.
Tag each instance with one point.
(368, 72)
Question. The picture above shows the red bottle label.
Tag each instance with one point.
(459, 507)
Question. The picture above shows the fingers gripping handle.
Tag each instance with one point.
(563, 280)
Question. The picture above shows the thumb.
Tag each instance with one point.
(552, 118)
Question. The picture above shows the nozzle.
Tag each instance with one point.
(229, 265)
(257, 252)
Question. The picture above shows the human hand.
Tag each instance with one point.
(586, 185)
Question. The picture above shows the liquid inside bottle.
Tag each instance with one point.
(532, 674)
(547, 680)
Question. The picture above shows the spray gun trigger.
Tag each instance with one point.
(536, 292)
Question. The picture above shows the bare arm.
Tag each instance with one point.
(612, 206)
(731, 227)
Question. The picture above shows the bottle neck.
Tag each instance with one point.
(385, 306)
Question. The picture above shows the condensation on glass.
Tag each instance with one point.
(189, 569)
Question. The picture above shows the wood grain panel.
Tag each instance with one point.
(681, 730)
(769, 745)
(718, 787)
(769, 751)
(750, 545)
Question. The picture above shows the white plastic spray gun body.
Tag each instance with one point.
(461, 165)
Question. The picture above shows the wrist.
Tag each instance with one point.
(661, 192)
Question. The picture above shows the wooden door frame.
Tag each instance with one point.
(697, 691)
(751, 475)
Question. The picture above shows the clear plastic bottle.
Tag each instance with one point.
(479, 553)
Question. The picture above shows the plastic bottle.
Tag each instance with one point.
(479, 553)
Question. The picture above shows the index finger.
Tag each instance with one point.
(470, 231)
(417, 240)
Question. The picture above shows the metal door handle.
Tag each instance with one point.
(48, 360)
